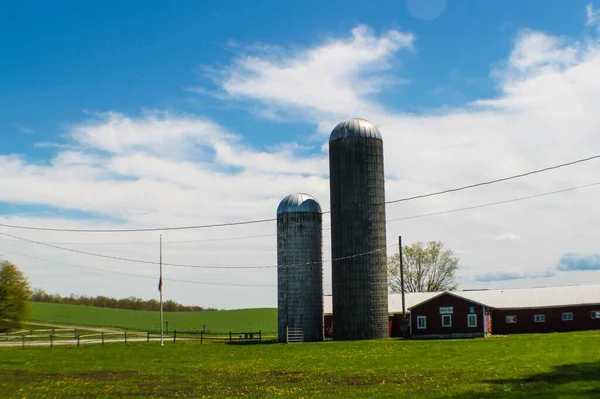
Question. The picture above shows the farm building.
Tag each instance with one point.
(481, 312)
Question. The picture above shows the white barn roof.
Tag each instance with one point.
(514, 298)
(394, 301)
(543, 297)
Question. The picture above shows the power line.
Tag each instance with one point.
(186, 265)
(492, 203)
(303, 264)
(128, 259)
(196, 227)
(204, 226)
(124, 243)
(562, 165)
(306, 263)
(153, 242)
(139, 275)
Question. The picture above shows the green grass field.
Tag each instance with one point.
(527, 366)
(216, 321)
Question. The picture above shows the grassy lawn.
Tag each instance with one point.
(531, 366)
(220, 321)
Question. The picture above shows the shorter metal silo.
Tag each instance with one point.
(300, 266)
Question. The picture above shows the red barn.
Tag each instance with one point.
(542, 310)
(482, 312)
(449, 315)
(394, 308)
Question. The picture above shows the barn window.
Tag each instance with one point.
(567, 316)
(596, 314)
(472, 320)
(511, 319)
(539, 318)
(446, 320)
(421, 322)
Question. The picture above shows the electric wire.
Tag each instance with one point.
(128, 259)
(262, 267)
(153, 242)
(195, 227)
(562, 165)
(139, 275)
(300, 264)
(239, 223)
(329, 228)
(467, 208)
(191, 266)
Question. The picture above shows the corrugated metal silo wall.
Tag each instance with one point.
(359, 284)
(300, 273)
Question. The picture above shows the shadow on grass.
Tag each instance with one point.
(417, 338)
(572, 380)
(242, 342)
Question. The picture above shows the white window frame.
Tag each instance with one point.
(424, 319)
(449, 317)
(595, 314)
(470, 318)
(539, 318)
(509, 317)
(564, 316)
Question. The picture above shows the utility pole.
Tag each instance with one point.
(402, 285)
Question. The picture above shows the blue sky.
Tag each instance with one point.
(62, 59)
(226, 106)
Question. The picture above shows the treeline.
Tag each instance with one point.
(131, 303)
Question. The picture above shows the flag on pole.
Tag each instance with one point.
(160, 284)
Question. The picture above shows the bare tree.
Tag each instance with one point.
(427, 268)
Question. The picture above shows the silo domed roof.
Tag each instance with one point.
(355, 128)
(298, 202)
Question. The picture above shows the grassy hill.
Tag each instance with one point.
(264, 319)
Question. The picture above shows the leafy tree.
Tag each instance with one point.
(14, 296)
(427, 268)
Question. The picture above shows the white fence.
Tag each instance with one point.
(70, 336)
(73, 336)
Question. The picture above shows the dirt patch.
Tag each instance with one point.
(102, 375)
(94, 375)
(284, 372)
(357, 380)
(287, 376)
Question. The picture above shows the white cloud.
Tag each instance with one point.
(22, 128)
(156, 132)
(148, 164)
(506, 237)
(162, 169)
(334, 78)
(142, 172)
(538, 53)
(544, 114)
(593, 16)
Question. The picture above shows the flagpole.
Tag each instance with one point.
(161, 301)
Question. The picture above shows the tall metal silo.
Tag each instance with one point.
(300, 266)
(358, 232)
